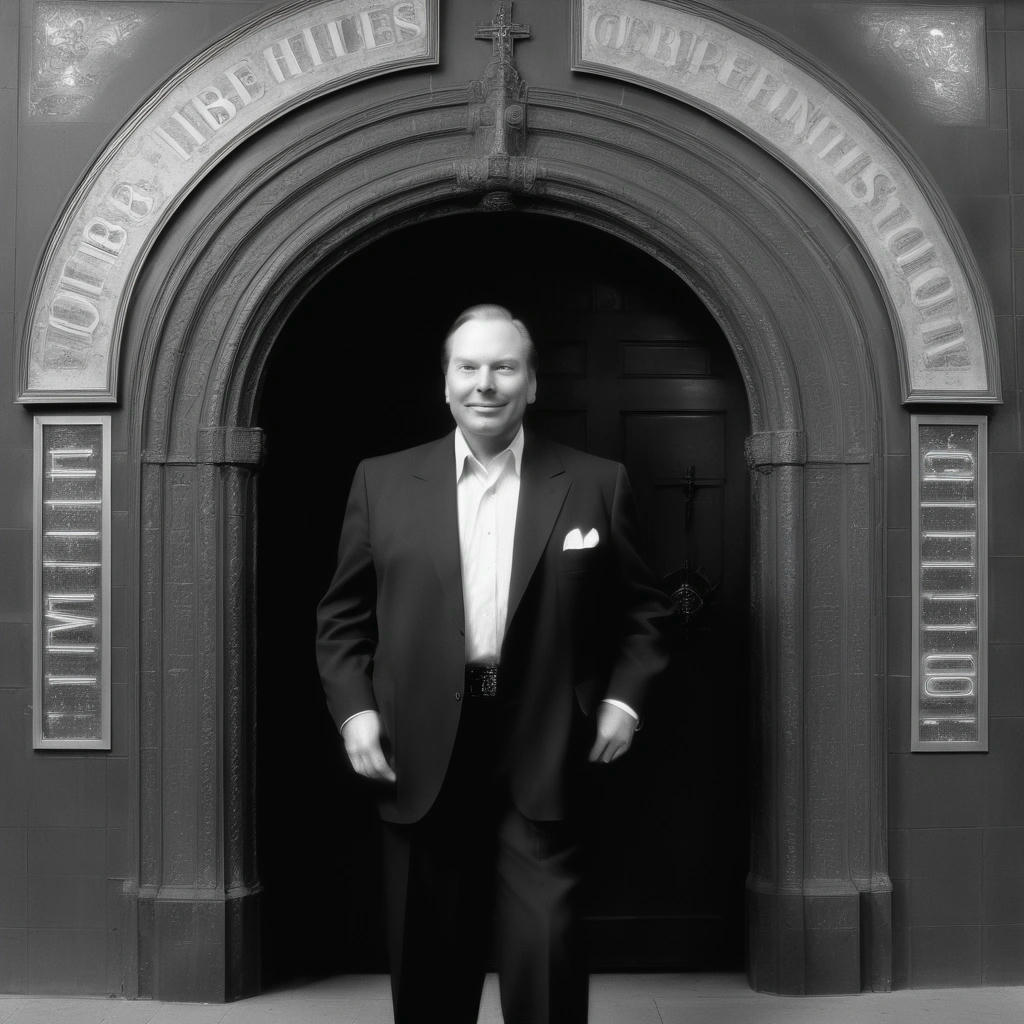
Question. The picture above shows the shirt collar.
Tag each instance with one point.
(462, 453)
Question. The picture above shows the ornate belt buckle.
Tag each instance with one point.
(489, 681)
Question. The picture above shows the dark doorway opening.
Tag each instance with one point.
(633, 367)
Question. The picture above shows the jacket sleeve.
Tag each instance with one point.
(645, 612)
(346, 616)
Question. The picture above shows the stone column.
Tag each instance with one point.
(198, 884)
(815, 863)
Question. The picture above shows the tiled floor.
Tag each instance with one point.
(614, 999)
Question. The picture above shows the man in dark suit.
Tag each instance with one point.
(491, 627)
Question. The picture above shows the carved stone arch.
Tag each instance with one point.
(608, 190)
(744, 76)
(809, 331)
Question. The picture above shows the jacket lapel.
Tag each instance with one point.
(439, 510)
(543, 486)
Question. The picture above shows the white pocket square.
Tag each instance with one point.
(576, 541)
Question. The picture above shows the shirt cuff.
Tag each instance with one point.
(625, 707)
(368, 711)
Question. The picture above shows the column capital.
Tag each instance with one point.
(216, 446)
(768, 448)
(240, 446)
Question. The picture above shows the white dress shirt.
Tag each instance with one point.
(488, 498)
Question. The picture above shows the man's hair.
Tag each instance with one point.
(489, 311)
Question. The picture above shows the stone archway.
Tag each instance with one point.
(745, 77)
(811, 337)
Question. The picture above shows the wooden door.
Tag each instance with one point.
(649, 381)
(633, 368)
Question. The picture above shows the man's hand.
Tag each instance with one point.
(615, 729)
(361, 736)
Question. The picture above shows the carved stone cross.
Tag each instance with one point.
(497, 117)
(503, 32)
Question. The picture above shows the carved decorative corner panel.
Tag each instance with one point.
(76, 48)
(938, 52)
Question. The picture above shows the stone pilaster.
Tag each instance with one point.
(199, 891)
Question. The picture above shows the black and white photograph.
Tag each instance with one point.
(511, 511)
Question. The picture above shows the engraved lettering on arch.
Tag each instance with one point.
(241, 83)
(682, 50)
(75, 310)
(133, 200)
(834, 145)
(296, 54)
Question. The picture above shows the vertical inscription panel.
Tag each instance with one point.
(71, 696)
(950, 606)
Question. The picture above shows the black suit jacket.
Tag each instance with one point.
(582, 624)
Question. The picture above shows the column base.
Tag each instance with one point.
(819, 943)
(199, 947)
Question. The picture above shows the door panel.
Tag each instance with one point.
(649, 381)
(664, 359)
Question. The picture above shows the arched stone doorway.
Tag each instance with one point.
(632, 367)
(810, 335)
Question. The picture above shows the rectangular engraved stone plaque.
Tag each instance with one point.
(949, 494)
(71, 592)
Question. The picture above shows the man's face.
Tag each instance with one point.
(488, 383)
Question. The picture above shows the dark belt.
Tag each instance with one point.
(481, 680)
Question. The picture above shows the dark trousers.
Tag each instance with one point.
(472, 872)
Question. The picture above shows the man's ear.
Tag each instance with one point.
(531, 394)
(447, 397)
